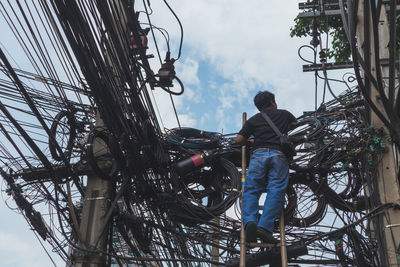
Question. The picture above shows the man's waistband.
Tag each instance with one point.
(269, 147)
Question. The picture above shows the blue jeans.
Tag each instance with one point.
(268, 170)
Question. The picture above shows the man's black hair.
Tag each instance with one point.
(264, 100)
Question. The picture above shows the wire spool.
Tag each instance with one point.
(63, 131)
(337, 202)
(311, 204)
(110, 151)
(204, 195)
(347, 184)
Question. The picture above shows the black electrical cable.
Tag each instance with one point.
(111, 146)
(71, 123)
(329, 136)
(180, 26)
(37, 115)
(190, 213)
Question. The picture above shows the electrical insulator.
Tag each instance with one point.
(167, 74)
(322, 56)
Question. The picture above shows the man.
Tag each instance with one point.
(268, 169)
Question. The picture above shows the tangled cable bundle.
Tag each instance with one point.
(206, 194)
(87, 108)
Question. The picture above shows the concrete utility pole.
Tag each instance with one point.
(94, 227)
(387, 175)
(98, 196)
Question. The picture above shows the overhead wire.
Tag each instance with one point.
(171, 206)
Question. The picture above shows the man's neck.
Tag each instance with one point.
(269, 108)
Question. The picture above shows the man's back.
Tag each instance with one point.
(263, 134)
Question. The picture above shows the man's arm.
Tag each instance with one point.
(241, 140)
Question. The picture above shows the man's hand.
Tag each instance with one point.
(250, 141)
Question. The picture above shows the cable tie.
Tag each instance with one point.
(392, 225)
(95, 198)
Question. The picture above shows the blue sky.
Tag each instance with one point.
(232, 49)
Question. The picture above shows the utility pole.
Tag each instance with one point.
(386, 231)
(98, 196)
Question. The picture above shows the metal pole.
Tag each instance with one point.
(283, 240)
(215, 250)
(242, 234)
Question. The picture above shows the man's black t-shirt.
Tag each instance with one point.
(264, 136)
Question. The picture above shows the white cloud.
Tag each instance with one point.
(247, 43)
(204, 120)
(187, 120)
(226, 102)
(187, 71)
(221, 118)
(191, 95)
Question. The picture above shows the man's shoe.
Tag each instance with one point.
(251, 232)
(266, 236)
